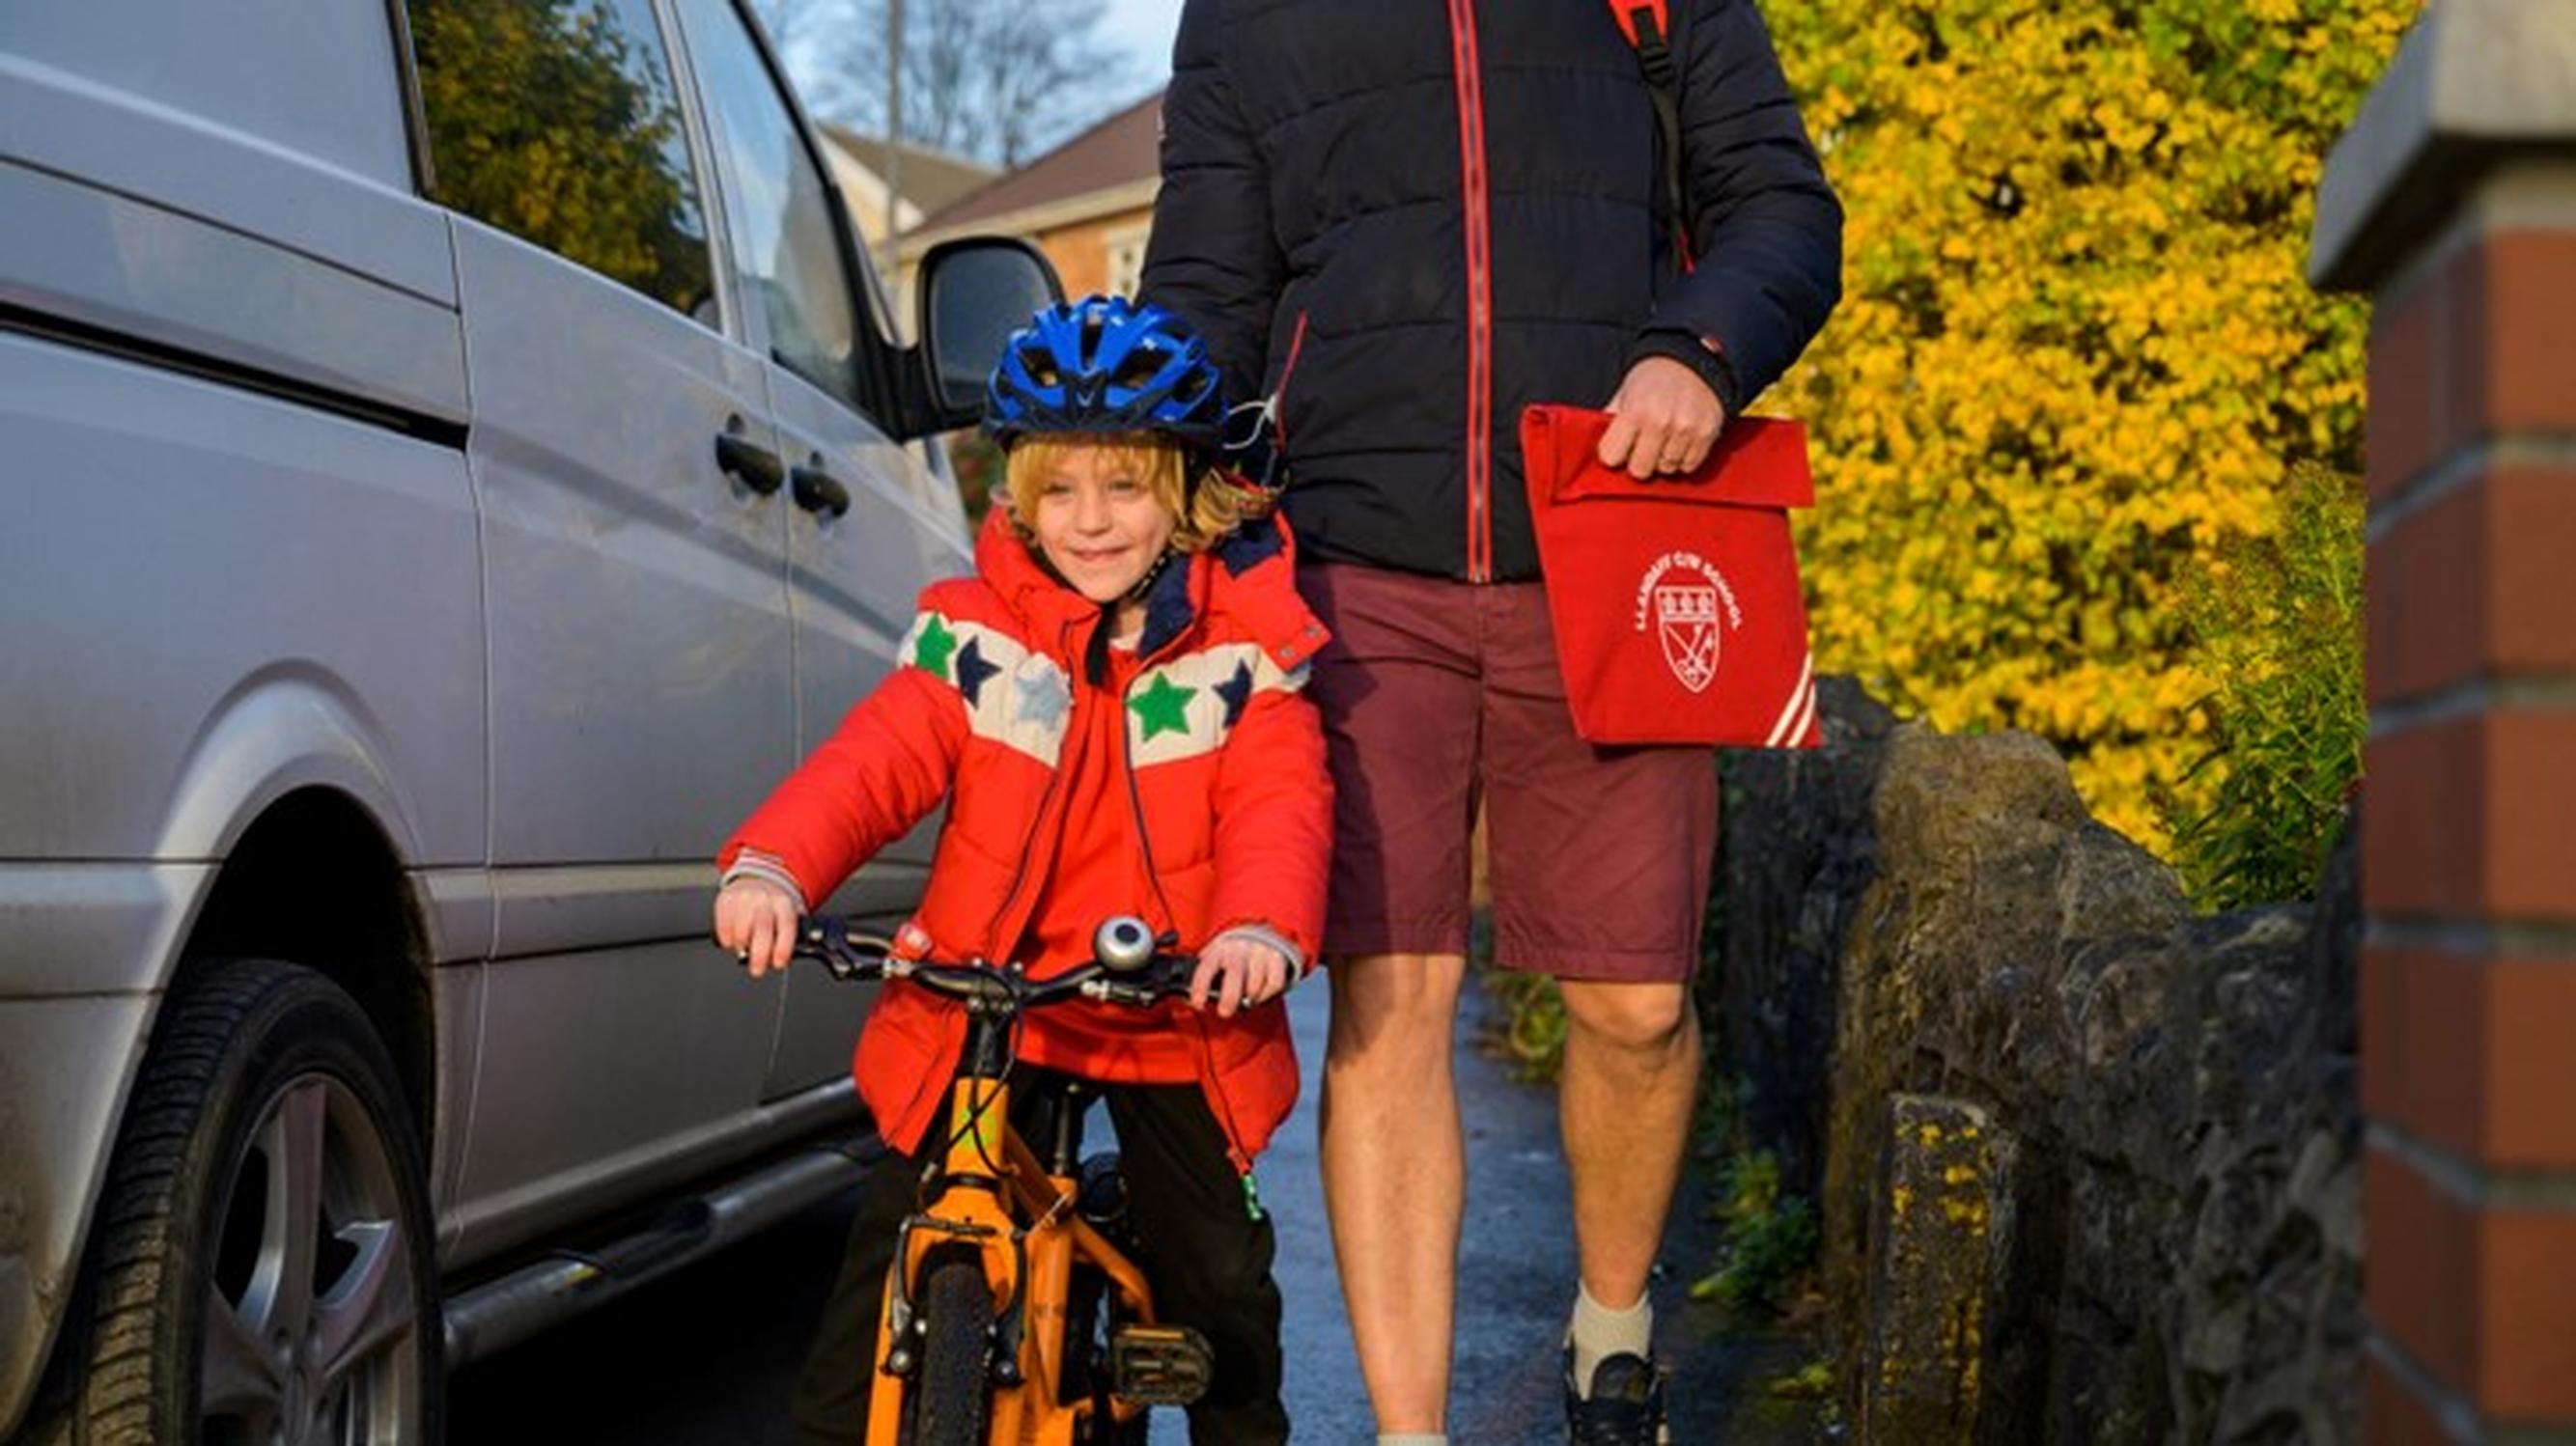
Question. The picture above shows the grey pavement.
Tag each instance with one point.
(705, 1357)
(1515, 1280)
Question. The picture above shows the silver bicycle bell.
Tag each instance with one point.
(1123, 945)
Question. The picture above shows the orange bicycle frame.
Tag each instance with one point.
(996, 1195)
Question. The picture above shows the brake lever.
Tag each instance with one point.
(830, 940)
(1119, 991)
(1166, 977)
(1173, 972)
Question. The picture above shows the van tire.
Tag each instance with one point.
(261, 1075)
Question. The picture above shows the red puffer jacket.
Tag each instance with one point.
(1223, 760)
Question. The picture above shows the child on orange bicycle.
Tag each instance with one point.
(1111, 708)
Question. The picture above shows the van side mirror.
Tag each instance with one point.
(973, 294)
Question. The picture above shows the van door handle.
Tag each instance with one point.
(754, 467)
(818, 491)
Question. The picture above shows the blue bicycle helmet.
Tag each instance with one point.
(1103, 364)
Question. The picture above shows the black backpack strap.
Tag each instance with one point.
(1647, 24)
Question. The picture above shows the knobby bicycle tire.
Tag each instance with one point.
(952, 1393)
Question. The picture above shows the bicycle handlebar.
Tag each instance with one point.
(1125, 974)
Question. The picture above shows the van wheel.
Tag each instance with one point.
(261, 1263)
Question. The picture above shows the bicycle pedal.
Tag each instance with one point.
(1159, 1365)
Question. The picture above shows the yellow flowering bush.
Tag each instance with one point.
(2076, 354)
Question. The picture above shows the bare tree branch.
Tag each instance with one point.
(998, 80)
(791, 23)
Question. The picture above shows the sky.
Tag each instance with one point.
(1144, 29)
(1141, 28)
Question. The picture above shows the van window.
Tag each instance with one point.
(785, 245)
(557, 121)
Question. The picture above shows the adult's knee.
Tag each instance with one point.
(1639, 1019)
(1394, 1003)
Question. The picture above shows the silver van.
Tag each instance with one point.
(454, 459)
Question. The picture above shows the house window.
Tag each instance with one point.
(1126, 248)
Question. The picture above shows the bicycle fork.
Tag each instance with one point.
(1020, 1216)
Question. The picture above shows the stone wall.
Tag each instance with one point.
(2088, 1163)
(1798, 851)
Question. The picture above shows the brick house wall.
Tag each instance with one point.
(1088, 254)
(2453, 202)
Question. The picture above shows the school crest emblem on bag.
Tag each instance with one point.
(1691, 607)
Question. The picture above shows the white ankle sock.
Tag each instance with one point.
(1598, 1333)
(1384, 1439)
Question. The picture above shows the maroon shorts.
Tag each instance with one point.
(1438, 694)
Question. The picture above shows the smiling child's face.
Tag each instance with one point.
(1098, 521)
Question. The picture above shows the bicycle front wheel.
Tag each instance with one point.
(952, 1394)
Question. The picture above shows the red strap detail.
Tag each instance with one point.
(1627, 11)
(1287, 370)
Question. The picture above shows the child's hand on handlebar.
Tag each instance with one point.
(1238, 971)
(756, 919)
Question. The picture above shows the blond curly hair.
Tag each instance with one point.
(1164, 467)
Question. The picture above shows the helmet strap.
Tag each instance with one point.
(1145, 584)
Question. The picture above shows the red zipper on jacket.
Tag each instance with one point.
(1480, 293)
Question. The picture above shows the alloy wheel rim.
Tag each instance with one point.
(310, 1307)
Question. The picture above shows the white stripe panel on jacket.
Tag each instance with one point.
(1012, 695)
(1188, 706)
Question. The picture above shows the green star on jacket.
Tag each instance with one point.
(930, 654)
(1161, 707)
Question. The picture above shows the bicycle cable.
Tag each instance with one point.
(981, 1094)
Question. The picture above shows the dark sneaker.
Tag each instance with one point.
(1624, 1408)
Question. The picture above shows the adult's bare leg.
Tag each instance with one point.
(1624, 1103)
(1395, 1175)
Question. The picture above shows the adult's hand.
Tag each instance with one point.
(1664, 420)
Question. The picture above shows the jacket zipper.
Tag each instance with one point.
(1211, 1086)
(1480, 293)
(1136, 806)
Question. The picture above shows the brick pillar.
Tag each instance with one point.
(2453, 201)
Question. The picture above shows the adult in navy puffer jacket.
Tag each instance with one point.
(1319, 200)
(1404, 221)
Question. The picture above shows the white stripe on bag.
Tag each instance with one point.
(1800, 698)
(1806, 720)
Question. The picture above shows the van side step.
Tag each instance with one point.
(500, 1313)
